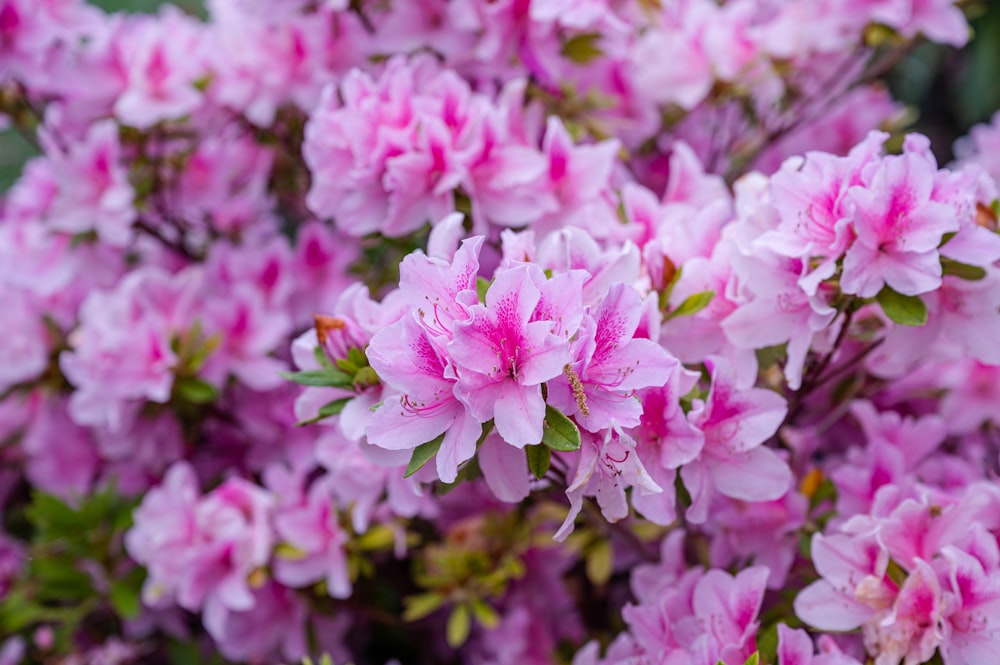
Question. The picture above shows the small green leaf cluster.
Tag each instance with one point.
(76, 580)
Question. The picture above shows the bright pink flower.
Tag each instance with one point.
(971, 629)
(579, 178)
(810, 196)
(766, 531)
(854, 586)
(432, 285)
(911, 632)
(24, 345)
(161, 60)
(504, 469)
(274, 624)
(93, 188)
(406, 358)
(899, 227)
(606, 466)
(121, 351)
(248, 333)
(312, 531)
(202, 549)
(778, 310)
(796, 648)
(290, 64)
(974, 389)
(165, 532)
(701, 619)
(502, 357)
(610, 366)
(234, 538)
(735, 421)
(980, 147)
(369, 481)
(666, 440)
(224, 184)
(676, 41)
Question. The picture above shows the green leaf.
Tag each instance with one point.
(320, 378)
(183, 652)
(18, 611)
(51, 516)
(327, 410)
(378, 537)
(599, 563)
(423, 454)
(962, 270)
(767, 643)
(581, 49)
(539, 459)
(459, 625)
(334, 408)
(693, 304)
(482, 286)
(357, 356)
(421, 605)
(559, 432)
(904, 310)
(754, 659)
(485, 614)
(322, 358)
(194, 390)
(289, 552)
(683, 495)
(365, 378)
(124, 599)
(346, 366)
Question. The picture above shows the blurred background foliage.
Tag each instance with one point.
(949, 90)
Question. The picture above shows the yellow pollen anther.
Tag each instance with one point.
(578, 393)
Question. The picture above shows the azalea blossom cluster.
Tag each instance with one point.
(518, 331)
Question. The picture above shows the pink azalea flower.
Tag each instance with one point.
(248, 332)
(405, 358)
(433, 285)
(766, 531)
(24, 346)
(853, 587)
(970, 629)
(93, 188)
(502, 357)
(778, 310)
(735, 421)
(160, 61)
(504, 469)
(796, 648)
(703, 618)
(61, 456)
(610, 366)
(274, 624)
(202, 549)
(121, 351)
(606, 466)
(810, 196)
(665, 435)
(899, 227)
(312, 530)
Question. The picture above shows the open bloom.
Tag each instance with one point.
(502, 357)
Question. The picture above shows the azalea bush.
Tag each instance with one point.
(494, 332)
